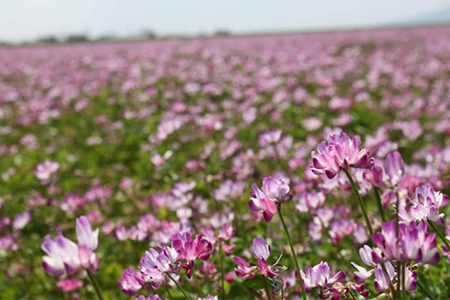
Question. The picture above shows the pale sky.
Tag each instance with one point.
(30, 19)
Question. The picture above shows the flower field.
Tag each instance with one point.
(313, 166)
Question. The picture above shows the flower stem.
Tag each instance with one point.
(397, 231)
(361, 203)
(404, 279)
(380, 205)
(95, 284)
(222, 273)
(179, 286)
(197, 284)
(423, 290)
(439, 233)
(266, 288)
(293, 252)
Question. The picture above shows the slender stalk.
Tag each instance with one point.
(179, 286)
(423, 290)
(293, 252)
(361, 202)
(404, 279)
(169, 295)
(95, 284)
(222, 273)
(197, 284)
(379, 204)
(399, 272)
(397, 217)
(266, 288)
(439, 233)
(397, 230)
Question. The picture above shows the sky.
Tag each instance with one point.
(30, 19)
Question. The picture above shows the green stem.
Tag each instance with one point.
(404, 280)
(95, 284)
(397, 230)
(266, 288)
(379, 204)
(169, 295)
(222, 273)
(361, 203)
(197, 283)
(439, 233)
(293, 252)
(399, 272)
(423, 290)
(179, 286)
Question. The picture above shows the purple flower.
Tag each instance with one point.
(150, 297)
(129, 283)
(339, 153)
(85, 235)
(260, 248)
(395, 168)
(414, 243)
(262, 251)
(425, 205)
(392, 174)
(310, 202)
(46, 169)
(66, 256)
(62, 255)
(189, 249)
(209, 297)
(274, 191)
(244, 270)
(21, 220)
(155, 263)
(68, 285)
(319, 276)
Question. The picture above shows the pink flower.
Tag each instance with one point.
(62, 255)
(414, 243)
(339, 153)
(274, 191)
(68, 285)
(129, 283)
(262, 251)
(319, 276)
(46, 169)
(244, 270)
(189, 249)
(425, 205)
(21, 220)
(391, 176)
(66, 256)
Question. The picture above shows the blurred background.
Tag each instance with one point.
(53, 21)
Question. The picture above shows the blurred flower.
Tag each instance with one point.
(46, 169)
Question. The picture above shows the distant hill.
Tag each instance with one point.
(441, 16)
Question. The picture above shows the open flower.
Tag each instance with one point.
(425, 205)
(274, 192)
(45, 170)
(382, 279)
(129, 282)
(188, 249)
(340, 153)
(262, 251)
(63, 255)
(414, 243)
(392, 174)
